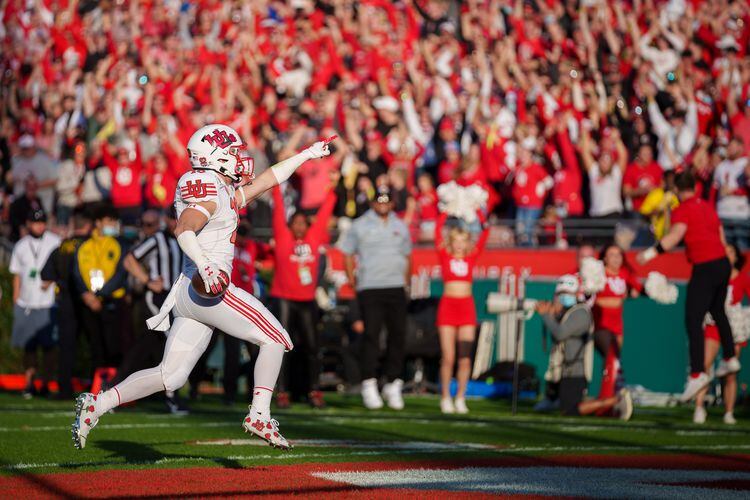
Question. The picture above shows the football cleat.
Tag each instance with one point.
(283, 401)
(316, 399)
(267, 430)
(729, 418)
(85, 419)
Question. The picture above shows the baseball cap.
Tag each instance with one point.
(384, 194)
(37, 215)
(26, 141)
(567, 283)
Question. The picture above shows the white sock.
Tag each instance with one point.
(267, 368)
(137, 386)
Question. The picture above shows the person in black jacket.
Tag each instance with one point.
(57, 270)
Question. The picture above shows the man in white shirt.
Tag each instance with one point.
(731, 185)
(32, 161)
(33, 309)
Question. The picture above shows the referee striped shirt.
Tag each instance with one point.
(163, 257)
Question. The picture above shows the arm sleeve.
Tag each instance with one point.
(576, 324)
(350, 244)
(15, 261)
(116, 282)
(49, 271)
(481, 242)
(80, 284)
(280, 228)
(320, 226)
(659, 123)
(198, 187)
(439, 226)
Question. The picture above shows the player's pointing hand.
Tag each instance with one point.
(319, 149)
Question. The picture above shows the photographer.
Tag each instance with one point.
(570, 324)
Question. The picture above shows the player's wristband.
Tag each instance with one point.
(188, 241)
(659, 248)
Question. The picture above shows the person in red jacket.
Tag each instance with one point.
(296, 263)
(697, 222)
(641, 177)
(126, 168)
(456, 315)
(530, 186)
(739, 288)
(608, 312)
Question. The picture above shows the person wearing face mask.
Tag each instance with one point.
(99, 278)
(33, 302)
(571, 324)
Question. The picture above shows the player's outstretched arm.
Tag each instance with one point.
(280, 172)
(667, 243)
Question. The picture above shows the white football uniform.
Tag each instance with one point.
(217, 236)
(236, 313)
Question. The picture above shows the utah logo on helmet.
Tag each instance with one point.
(219, 147)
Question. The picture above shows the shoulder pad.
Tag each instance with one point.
(197, 186)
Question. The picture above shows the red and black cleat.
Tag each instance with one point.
(283, 401)
(267, 430)
(316, 399)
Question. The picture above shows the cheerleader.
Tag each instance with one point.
(608, 311)
(456, 315)
(739, 287)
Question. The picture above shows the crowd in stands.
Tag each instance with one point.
(561, 109)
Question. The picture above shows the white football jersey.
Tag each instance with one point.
(217, 236)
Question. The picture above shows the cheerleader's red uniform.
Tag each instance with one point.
(739, 287)
(457, 311)
(610, 319)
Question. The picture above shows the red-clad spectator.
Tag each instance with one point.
(530, 185)
(641, 177)
(566, 192)
(450, 165)
(126, 193)
(296, 264)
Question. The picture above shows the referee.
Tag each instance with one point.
(155, 264)
(696, 222)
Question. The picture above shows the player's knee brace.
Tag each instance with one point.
(464, 349)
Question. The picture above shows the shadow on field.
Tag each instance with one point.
(139, 453)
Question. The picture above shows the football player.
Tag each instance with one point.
(208, 201)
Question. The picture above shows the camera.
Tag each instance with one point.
(502, 303)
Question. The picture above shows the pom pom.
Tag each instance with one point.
(461, 202)
(659, 289)
(593, 277)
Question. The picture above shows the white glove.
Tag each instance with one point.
(317, 150)
(213, 278)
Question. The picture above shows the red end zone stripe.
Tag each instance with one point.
(256, 317)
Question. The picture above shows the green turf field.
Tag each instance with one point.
(35, 435)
